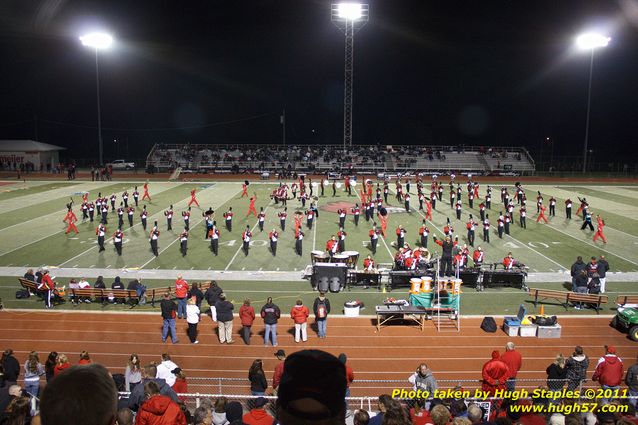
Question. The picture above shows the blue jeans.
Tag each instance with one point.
(321, 326)
(271, 329)
(181, 308)
(511, 384)
(32, 387)
(607, 387)
(169, 323)
(633, 400)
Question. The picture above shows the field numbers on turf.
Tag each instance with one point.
(232, 242)
(510, 245)
(228, 243)
(536, 244)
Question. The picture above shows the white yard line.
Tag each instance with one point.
(382, 237)
(242, 242)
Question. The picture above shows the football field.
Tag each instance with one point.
(32, 233)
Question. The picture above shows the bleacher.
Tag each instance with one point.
(359, 159)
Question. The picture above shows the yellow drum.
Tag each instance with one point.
(456, 289)
(426, 284)
(415, 285)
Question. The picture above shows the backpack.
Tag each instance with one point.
(322, 311)
(22, 293)
(489, 324)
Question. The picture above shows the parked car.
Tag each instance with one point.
(120, 164)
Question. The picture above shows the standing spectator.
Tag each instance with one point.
(580, 286)
(577, 267)
(61, 364)
(321, 308)
(299, 314)
(49, 365)
(257, 378)
(165, 369)
(270, 313)
(632, 383)
(10, 366)
(349, 372)
(556, 374)
(609, 370)
(279, 370)
(180, 386)
(423, 379)
(247, 316)
(132, 373)
(169, 312)
(212, 296)
(33, 370)
(192, 318)
(181, 292)
(495, 374)
(225, 319)
(196, 292)
(149, 373)
(514, 361)
(603, 268)
(158, 409)
(258, 415)
(576, 367)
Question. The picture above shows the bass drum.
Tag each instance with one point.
(335, 284)
(323, 285)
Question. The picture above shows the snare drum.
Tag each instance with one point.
(319, 257)
(340, 258)
(415, 285)
(353, 258)
(426, 284)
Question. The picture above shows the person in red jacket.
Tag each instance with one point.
(47, 287)
(495, 374)
(158, 409)
(514, 361)
(279, 370)
(181, 292)
(247, 317)
(180, 386)
(258, 415)
(609, 370)
(349, 372)
(299, 315)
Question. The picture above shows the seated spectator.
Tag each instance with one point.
(73, 284)
(8, 393)
(258, 414)
(125, 416)
(17, 412)
(99, 284)
(361, 417)
(202, 416)
(440, 415)
(117, 284)
(85, 393)
(159, 409)
(84, 358)
(33, 370)
(234, 412)
(61, 364)
(29, 275)
(84, 284)
(132, 373)
(140, 290)
(180, 386)
(137, 395)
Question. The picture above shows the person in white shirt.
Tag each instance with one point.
(165, 370)
(192, 318)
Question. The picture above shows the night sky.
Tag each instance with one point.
(487, 72)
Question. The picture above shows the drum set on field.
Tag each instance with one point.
(349, 258)
(420, 285)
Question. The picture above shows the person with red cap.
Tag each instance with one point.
(609, 370)
(495, 374)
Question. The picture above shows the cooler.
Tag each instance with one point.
(549, 331)
(515, 321)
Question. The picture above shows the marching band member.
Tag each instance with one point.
(113, 199)
(273, 236)
(471, 227)
(599, 230)
(100, 232)
(228, 216)
(478, 256)
(136, 196)
(374, 238)
(183, 241)
(130, 211)
(169, 218)
(245, 237)
(120, 215)
(70, 219)
(251, 206)
(508, 262)
(500, 225)
(341, 239)
(356, 211)
(299, 241)
(214, 238)
(342, 217)
(332, 246)
(143, 216)
(423, 234)
(282, 218)
(118, 236)
(261, 218)
(486, 229)
(146, 195)
(310, 214)
(552, 206)
(125, 198)
(400, 231)
(406, 202)
(186, 215)
(154, 236)
(568, 208)
(368, 264)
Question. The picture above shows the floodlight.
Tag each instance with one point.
(349, 11)
(592, 40)
(97, 40)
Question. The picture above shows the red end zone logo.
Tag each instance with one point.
(333, 207)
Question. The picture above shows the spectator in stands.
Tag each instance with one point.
(180, 386)
(159, 409)
(349, 372)
(258, 415)
(609, 370)
(225, 319)
(361, 417)
(140, 290)
(169, 312)
(33, 370)
(257, 378)
(423, 379)
(440, 415)
(631, 380)
(234, 412)
(84, 358)
(61, 364)
(396, 415)
(576, 270)
(299, 314)
(556, 374)
(165, 369)
(137, 394)
(49, 365)
(475, 414)
(212, 296)
(10, 366)
(132, 373)
(219, 411)
(202, 416)
(196, 292)
(125, 416)
(514, 361)
(495, 374)
(576, 367)
(384, 403)
(313, 387)
(247, 317)
(29, 275)
(270, 312)
(18, 412)
(99, 284)
(86, 392)
(279, 370)
(117, 284)
(192, 319)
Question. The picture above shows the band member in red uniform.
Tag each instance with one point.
(282, 218)
(478, 256)
(298, 217)
(228, 216)
(47, 286)
(356, 212)
(568, 208)
(244, 189)
(423, 234)
(100, 232)
(310, 215)
(299, 241)
(341, 239)
(374, 238)
(342, 216)
(509, 262)
(183, 242)
(599, 229)
(368, 264)
(169, 218)
(146, 195)
(251, 206)
(429, 204)
(70, 219)
(261, 218)
(384, 221)
(332, 246)
(245, 237)
(471, 228)
(583, 205)
(273, 236)
(118, 236)
(193, 198)
(186, 215)
(542, 214)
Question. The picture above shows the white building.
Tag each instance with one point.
(43, 156)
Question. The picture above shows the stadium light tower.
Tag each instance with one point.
(590, 42)
(349, 17)
(98, 41)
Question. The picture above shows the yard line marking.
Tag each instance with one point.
(382, 237)
(241, 245)
(532, 249)
(595, 246)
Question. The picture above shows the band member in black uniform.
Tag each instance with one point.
(118, 236)
(169, 218)
(183, 242)
(299, 242)
(144, 216)
(214, 239)
(273, 236)
(100, 232)
(154, 236)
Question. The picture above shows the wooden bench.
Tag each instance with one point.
(621, 300)
(29, 285)
(156, 294)
(105, 294)
(565, 298)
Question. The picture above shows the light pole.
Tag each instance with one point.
(349, 17)
(98, 41)
(590, 42)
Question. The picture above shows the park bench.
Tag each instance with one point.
(156, 294)
(565, 298)
(103, 295)
(622, 300)
(29, 285)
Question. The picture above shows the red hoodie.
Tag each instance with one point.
(609, 371)
(513, 360)
(495, 373)
(257, 417)
(247, 315)
(300, 313)
(160, 410)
